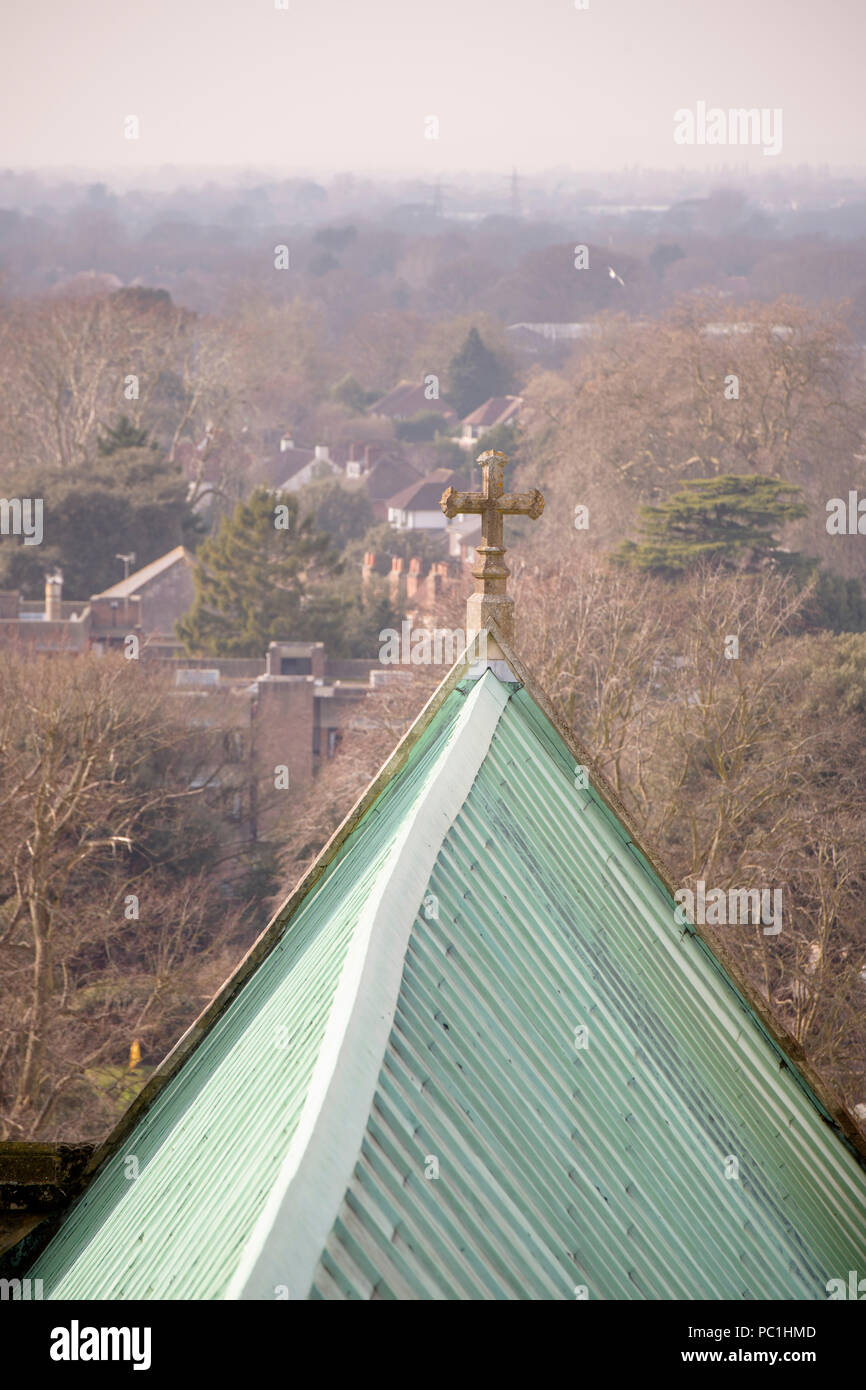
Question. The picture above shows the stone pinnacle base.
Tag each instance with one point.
(482, 608)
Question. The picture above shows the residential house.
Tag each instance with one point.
(548, 341)
(293, 468)
(292, 708)
(150, 601)
(416, 507)
(384, 470)
(497, 410)
(47, 625)
(408, 399)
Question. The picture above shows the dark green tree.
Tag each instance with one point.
(474, 374)
(663, 255)
(503, 438)
(838, 604)
(256, 578)
(841, 665)
(385, 542)
(729, 520)
(348, 617)
(131, 501)
(448, 454)
(322, 263)
(123, 435)
(343, 513)
(350, 393)
(420, 428)
(335, 238)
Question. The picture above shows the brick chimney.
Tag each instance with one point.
(54, 596)
(413, 579)
(438, 578)
(369, 566)
(396, 580)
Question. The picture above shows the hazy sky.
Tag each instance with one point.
(347, 84)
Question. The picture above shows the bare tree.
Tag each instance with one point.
(758, 388)
(101, 775)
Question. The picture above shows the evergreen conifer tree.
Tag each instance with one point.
(729, 520)
(475, 373)
(123, 435)
(253, 578)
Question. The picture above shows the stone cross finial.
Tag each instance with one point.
(490, 599)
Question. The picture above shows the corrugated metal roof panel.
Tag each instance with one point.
(209, 1148)
(558, 1167)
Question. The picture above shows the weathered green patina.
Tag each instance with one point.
(478, 1058)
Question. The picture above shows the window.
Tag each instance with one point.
(233, 744)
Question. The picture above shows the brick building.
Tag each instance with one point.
(290, 711)
(146, 604)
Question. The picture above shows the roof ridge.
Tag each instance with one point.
(287, 1239)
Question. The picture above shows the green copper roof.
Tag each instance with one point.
(208, 1150)
(430, 987)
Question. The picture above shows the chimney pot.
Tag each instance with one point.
(54, 596)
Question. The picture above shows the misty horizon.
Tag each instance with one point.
(319, 90)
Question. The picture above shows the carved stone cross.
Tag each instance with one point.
(490, 599)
